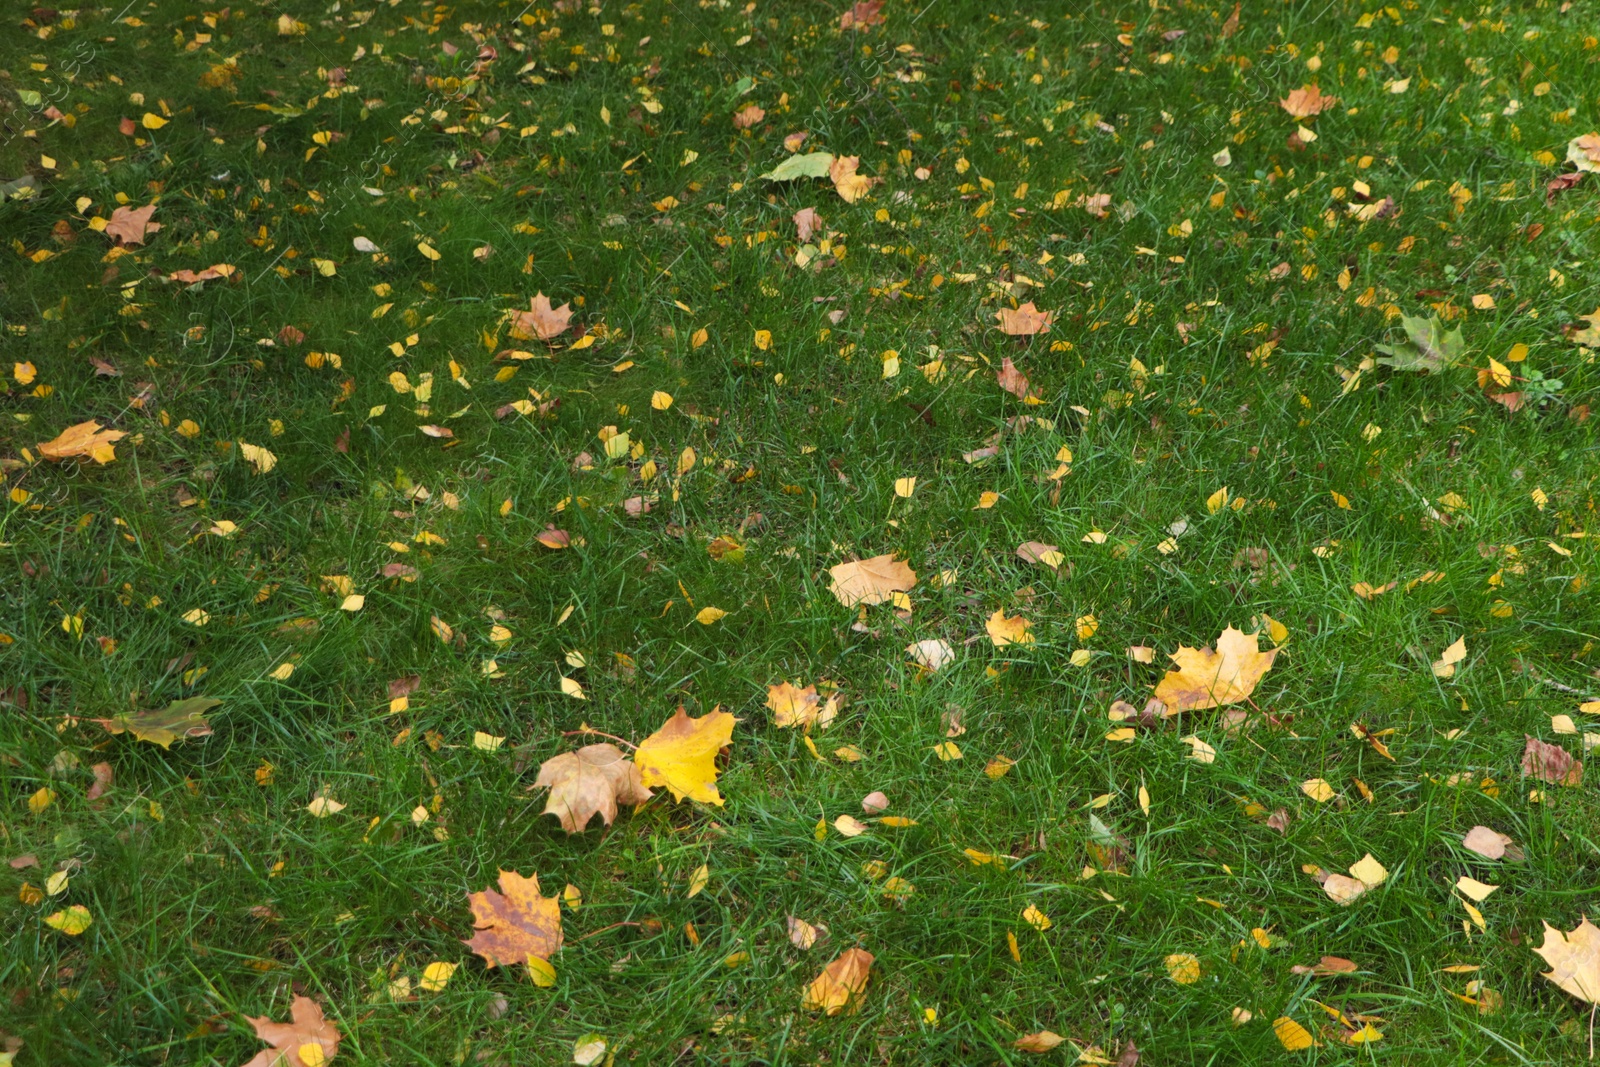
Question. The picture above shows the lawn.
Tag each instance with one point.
(475, 383)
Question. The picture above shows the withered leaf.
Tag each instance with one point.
(515, 924)
(591, 781)
(841, 983)
(289, 1040)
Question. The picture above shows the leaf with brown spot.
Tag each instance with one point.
(591, 781)
(518, 923)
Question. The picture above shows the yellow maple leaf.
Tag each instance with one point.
(1012, 631)
(86, 440)
(682, 755)
(1208, 679)
(1574, 959)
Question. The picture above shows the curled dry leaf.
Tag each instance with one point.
(841, 983)
(289, 1041)
(86, 440)
(1024, 321)
(591, 781)
(682, 755)
(1550, 763)
(516, 923)
(1207, 679)
(541, 321)
(870, 581)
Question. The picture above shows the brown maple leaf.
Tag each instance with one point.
(748, 116)
(1550, 763)
(591, 781)
(870, 581)
(807, 222)
(131, 225)
(1024, 321)
(290, 1040)
(542, 321)
(86, 440)
(1207, 679)
(1011, 379)
(1307, 102)
(516, 925)
(863, 14)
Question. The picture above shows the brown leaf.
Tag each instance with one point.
(131, 225)
(542, 321)
(23, 861)
(748, 116)
(1039, 552)
(1024, 321)
(870, 581)
(1043, 1041)
(1011, 380)
(1490, 844)
(863, 14)
(516, 925)
(591, 781)
(807, 222)
(1207, 679)
(792, 706)
(840, 984)
(1307, 102)
(102, 781)
(1550, 763)
(550, 537)
(86, 440)
(1560, 184)
(1230, 25)
(309, 1027)
(1130, 1055)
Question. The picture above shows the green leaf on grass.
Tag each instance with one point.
(181, 718)
(810, 165)
(1427, 346)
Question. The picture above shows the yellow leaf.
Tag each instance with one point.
(947, 751)
(1574, 959)
(428, 250)
(709, 615)
(1207, 679)
(848, 826)
(699, 880)
(1183, 968)
(999, 766)
(572, 689)
(763, 339)
(660, 401)
(542, 971)
(1317, 789)
(870, 581)
(56, 884)
(987, 499)
(486, 742)
(1291, 1035)
(1005, 631)
(904, 487)
(71, 921)
(353, 603)
(1217, 501)
(1369, 871)
(152, 121)
(682, 755)
(841, 983)
(1043, 1041)
(1036, 918)
(43, 798)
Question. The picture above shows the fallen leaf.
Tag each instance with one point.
(862, 14)
(840, 984)
(807, 222)
(519, 924)
(849, 826)
(1291, 1035)
(591, 781)
(870, 581)
(810, 165)
(1574, 959)
(1005, 631)
(131, 225)
(1550, 763)
(1583, 152)
(1307, 102)
(1490, 844)
(1317, 789)
(70, 921)
(846, 182)
(682, 755)
(1043, 1041)
(791, 706)
(748, 116)
(541, 321)
(181, 718)
(1369, 871)
(588, 1050)
(1342, 889)
(1024, 321)
(1474, 889)
(86, 440)
(801, 933)
(1039, 552)
(1199, 751)
(550, 537)
(1427, 347)
(1183, 968)
(1011, 379)
(932, 653)
(310, 1040)
(874, 802)
(1207, 679)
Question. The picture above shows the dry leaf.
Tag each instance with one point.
(1291, 1035)
(931, 654)
(1039, 552)
(86, 440)
(748, 116)
(874, 802)
(1490, 844)
(1183, 968)
(591, 781)
(1024, 321)
(791, 706)
(849, 185)
(1011, 379)
(131, 225)
(801, 933)
(1342, 889)
(807, 222)
(290, 1040)
(1008, 631)
(512, 927)
(1317, 789)
(682, 755)
(1043, 1041)
(1583, 152)
(542, 321)
(1550, 763)
(871, 581)
(1369, 871)
(862, 14)
(1207, 679)
(840, 984)
(1445, 665)
(1574, 959)
(1307, 102)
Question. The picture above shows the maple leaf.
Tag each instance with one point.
(1024, 321)
(309, 1041)
(748, 116)
(86, 440)
(1012, 631)
(682, 755)
(849, 185)
(862, 14)
(1426, 348)
(131, 225)
(516, 925)
(807, 222)
(840, 984)
(791, 706)
(1583, 152)
(1590, 336)
(1011, 379)
(870, 581)
(1574, 959)
(591, 781)
(181, 718)
(1207, 679)
(1550, 763)
(542, 321)
(1307, 102)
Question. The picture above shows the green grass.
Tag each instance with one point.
(214, 895)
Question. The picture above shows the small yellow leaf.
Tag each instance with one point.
(660, 401)
(1036, 918)
(151, 121)
(699, 880)
(904, 487)
(428, 250)
(1317, 789)
(987, 499)
(72, 921)
(1183, 968)
(542, 971)
(353, 603)
(849, 826)
(41, 799)
(1291, 1035)
(947, 751)
(709, 615)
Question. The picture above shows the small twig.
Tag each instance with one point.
(603, 929)
(1592, 1008)
(589, 730)
(1559, 687)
